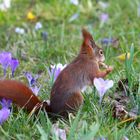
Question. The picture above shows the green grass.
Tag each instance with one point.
(62, 45)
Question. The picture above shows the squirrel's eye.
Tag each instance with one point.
(101, 52)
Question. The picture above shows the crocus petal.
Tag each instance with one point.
(5, 111)
(5, 103)
(107, 41)
(102, 86)
(74, 2)
(5, 5)
(19, 30)
(38, 26)
(109, 84)
(5, 58)
(125, 138)
(61, 133)
(14, 64)
(99, 83)
(114, 42)
(102, 138)
(104, 17)
(55, 70)
(4, 114)
(35, 89)
(30, 78)
(74, 17)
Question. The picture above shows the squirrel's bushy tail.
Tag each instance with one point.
(20, 94)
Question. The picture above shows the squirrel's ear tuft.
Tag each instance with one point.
(86, 35)
(88, 39)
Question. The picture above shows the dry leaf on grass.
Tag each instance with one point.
(121, 101)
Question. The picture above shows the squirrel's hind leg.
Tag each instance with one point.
(72, 104)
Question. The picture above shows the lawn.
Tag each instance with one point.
(114, 25)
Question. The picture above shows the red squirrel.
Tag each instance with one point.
(66, 91)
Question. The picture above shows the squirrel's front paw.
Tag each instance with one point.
(109, 69)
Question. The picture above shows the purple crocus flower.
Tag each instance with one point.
(4, 115)
(5, 111)
(107, 41)
(55, 70)
(110, 41)
(14, 64)
(102, 86)
(104, 17)
(32, 83)
(31, 79)
(38, 26)
(5, 103)
(5, 58)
